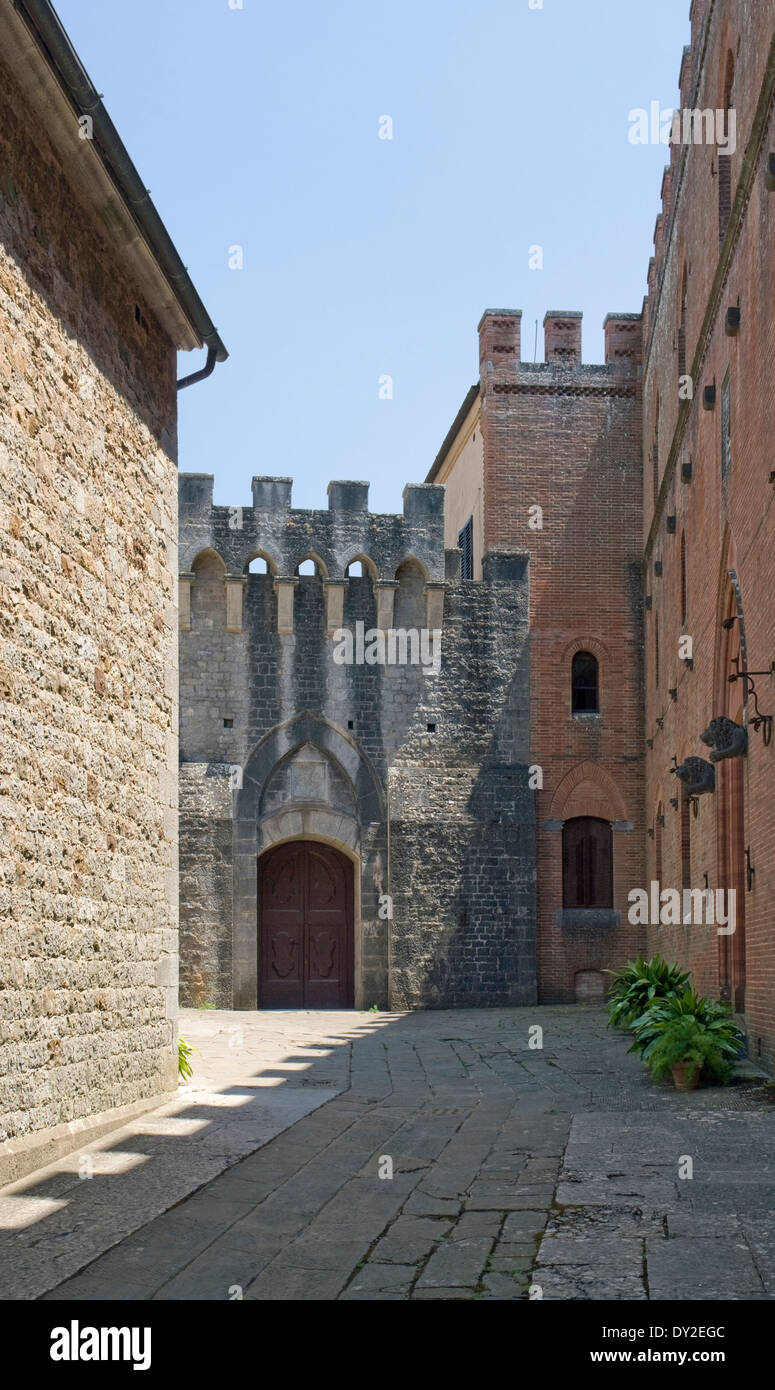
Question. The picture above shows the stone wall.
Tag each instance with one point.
(422, 779)
(88, 667)
(462, 814)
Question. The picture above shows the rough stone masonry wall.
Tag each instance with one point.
(461, 821)
(462, 815)
(88, 668)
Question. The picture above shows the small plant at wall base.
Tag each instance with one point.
(639, 982)
(687, 1049)
(185, 1050)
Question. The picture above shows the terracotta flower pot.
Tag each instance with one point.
(686, 1076)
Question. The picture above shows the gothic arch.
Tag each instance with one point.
(321, 568)
(271, 563)
(344, 832)
(588, 790)
(412, 560)
(369, 567)
(208, 558)
(284, 740)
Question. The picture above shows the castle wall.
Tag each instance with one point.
(720, 519)
(88, 666)
(420, 778)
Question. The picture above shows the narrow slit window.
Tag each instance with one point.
(466, 542)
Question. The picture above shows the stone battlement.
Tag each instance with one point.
(285, 536)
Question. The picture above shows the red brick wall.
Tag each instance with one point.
(725, 526)
(566, 437)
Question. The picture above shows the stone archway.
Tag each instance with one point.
(355, 827)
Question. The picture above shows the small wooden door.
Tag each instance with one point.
(305, 927)
(587, 863)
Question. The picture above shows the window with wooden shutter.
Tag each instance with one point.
(465, 541)
(587, 863)
(584, 684)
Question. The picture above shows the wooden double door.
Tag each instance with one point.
(305, 927)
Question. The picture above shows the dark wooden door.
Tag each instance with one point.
(305, 927)
(587, 863)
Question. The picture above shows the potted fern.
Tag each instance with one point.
(689, 1036)
(686, 1049)
(637, 983)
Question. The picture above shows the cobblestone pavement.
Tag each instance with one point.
(516, 1172)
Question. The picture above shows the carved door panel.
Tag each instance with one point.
(305, 927)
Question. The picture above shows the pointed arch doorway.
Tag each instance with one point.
(305, 927)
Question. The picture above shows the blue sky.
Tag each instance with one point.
(259, 127)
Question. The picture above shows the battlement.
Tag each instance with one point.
(500, 346)
(231, 537)
(286, 536)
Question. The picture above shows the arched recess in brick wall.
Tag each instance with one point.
(730, 780)
(588, 790)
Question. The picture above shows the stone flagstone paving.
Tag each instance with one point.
(517, 1173)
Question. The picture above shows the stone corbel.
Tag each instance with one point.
(334, 592)
(284, 588)
(385, 593)
(184, 601)
(434, 606)
(235, 587)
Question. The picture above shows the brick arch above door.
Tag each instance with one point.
(588, 790)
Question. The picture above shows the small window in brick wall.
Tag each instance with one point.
(584, 684)
(466, 542)
(587, 863)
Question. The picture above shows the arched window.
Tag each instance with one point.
(587, 863)
(584, 684)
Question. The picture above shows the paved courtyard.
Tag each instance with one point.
(434, 1155)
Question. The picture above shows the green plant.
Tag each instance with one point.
(688, 1016)
(185, 1050)
(686, 1040)
(639, 982)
